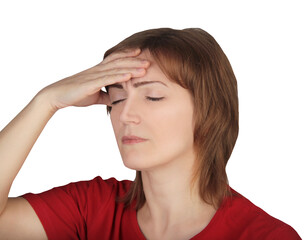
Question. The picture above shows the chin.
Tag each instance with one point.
(134, 165)
(138, 164)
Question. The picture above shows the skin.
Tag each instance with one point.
(17, 218)
(166, 159)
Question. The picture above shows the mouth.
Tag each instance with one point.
(132, 140)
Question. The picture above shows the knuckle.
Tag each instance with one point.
(118, 62)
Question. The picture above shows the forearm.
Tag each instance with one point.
(82, 89)
(17, 140)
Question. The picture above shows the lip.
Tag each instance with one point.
(132, 139)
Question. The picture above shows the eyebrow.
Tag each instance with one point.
(138, 84)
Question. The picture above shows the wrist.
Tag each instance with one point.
(42, 98)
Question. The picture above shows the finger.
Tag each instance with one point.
(89, 91)
(125, 63)
(109, 80)
(103, 99)
(122, 54)
(135, 72)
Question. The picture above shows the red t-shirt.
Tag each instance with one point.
(88, 210)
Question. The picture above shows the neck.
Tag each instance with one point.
(170, 202)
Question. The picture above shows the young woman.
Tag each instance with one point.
(173, 104)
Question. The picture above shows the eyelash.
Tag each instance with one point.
(148, 98)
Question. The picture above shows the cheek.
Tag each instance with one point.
(174, 125)
(171, 137)
(170, 133)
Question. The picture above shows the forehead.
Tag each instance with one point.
(152, 71)
(153, 77)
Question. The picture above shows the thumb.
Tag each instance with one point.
(104, 98)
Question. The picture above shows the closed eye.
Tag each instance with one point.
(148, 98)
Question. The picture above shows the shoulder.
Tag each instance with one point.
(72, 210)
(108, 187)
(104, 184)
(77, 196)
(251, 220)
(96, 188)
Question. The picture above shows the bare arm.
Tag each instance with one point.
(16, 141)
(17, 217)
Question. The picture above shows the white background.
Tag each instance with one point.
(44, 41)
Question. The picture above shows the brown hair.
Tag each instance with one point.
(193, 59)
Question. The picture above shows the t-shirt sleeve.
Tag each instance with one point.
(63, 210)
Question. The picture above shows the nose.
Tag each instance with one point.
(130, 110)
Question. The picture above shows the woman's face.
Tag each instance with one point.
(160, 112)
